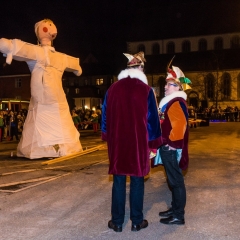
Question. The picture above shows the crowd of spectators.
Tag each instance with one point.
(11, 124)
(87, 118)
(228, 114)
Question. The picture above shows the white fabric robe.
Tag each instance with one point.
(49, 130)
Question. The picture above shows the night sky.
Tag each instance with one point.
(103, 27)
(83, 25)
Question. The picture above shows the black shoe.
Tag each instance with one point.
(138, 227)
(115, 228)
(167, 213)
(172, 220)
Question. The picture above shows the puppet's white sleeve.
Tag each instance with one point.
(17, 49)
(73, 65)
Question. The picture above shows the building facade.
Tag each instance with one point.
(186, 44)
(218, 89)
(87, 91)
(212, 86)
(15, 92)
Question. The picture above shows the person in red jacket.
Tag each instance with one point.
(174, 151)
(130, 125)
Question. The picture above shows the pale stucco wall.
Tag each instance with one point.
(133, 46)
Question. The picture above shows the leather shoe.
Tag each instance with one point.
(138, 227)
(167, 213)
(115, 228)
(172, 220)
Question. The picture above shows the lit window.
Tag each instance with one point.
(99, 81)
(77, 90)
(18, 82)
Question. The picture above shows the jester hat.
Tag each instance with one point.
(176, 75)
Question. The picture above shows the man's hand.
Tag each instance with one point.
(170, 148)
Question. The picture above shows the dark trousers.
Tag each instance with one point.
(119, 199)
(175, 181)
(1, 132)
(14, 132)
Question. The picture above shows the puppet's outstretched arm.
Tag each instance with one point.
(6, 47)
(17, 49)
(73, 65)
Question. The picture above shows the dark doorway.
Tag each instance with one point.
(204, 104)
(193, 102)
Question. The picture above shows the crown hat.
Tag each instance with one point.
(175, 74)
(136, 59)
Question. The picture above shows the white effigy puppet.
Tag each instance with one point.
(48, 130)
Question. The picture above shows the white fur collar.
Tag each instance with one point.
(168, 98)
(133, 73)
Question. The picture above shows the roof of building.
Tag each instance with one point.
(195, 61)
